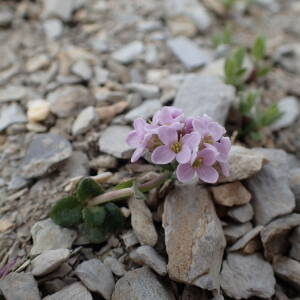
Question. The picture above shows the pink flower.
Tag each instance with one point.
(169, 116)
(201, 164)
(223, 148)
(174, 147)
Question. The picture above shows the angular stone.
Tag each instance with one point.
(194, 293)
(272, 196)
(242, 214)
(116, 267)
(189, 53)
(12, 93)
(75, 291)
(85, 120)
(53, 28)
(17, 286)
(294, 182)
(141, 284)
(274, 235)
(200, 95)
(97, 277)
(295, 242)
(231, 194)
(234, 232)
(46, 236)
(37, 63)
(194, 237)
(44, 154)
(113, 141)
(11, 114)
(146, 110)
(147, 91)
(68, 100)
(245, 276)
(129, 53)
(48, 261)
(152, 259)
(76, 165)
(141, 222)
(83, 70)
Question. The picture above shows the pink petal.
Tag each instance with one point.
(223, 148)
(184, 155)
(165, 116)
(167, 135)
(225, 169)
(209, 155)
(208, 174)
(139, 125)
(133, 139)
(192, 140)
(200, 126)
(162, 155)
(216, 130)
(155, 118)
(185, 172)
(137, 154)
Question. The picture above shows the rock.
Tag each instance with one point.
(247, 276)
(47, 236)
(141, 284)
(104, 162)
(147, 91)
(76, 165)
(48, 261)
(53, 28)
(243, 241)
(17, 182)
(130, 239)
(182, 25)
(44, 154)
(116, 267)
(145, 110)
(83, 70)
(294, 182)
(269, 203)
(194, 293)
(194, 237)
(273, 236)
(295, 242)
(242, 214)
(200, 95)
(107, 113)
(97, 277)
(231, 194)
(17, 286)
(215, 68)
(67, 100)
(152, 259)
(288, 269)
(113, 141)
(234, 232)
(38, 110)
(189, 53)
(11, 114)
(288, 57)
(290, 108)
(85, 120)
(36, 63)
(12, 93)
(128, 53)
(141, 222)
(75, 291)
(101, 75)
(6, 17)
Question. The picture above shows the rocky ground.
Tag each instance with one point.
(74, 74)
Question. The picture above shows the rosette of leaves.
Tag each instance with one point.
(97, 222)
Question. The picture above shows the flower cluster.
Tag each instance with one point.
(197, 144)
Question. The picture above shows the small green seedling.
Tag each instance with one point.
(223, 38)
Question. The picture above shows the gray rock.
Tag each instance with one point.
(46, 236)
(272, 196)
(53, 28)
(234, 232)
(247, 276)
(113, 141)
(12, 93)
(104, 161)
(242, 214)
(274, 235)
(6, 16)
(294, 182)
(11, 114)
(17, 182)
(75, 291)
(101, 75)
(295, 244)
(116, 267)
(130, 239)
(189, 53)
(141, 284)
(288, 269)
(290, 108)
(83, 70)
(141, 222)
(146, 110)
(129, 53)
(17, 286)
(85, 120)
(97, 277)
(48, 261)
(152, 259)
(194, 237)
(147, 91)
(288, 56)
(68, 100)
(44, 154)
(200, 95)
(76, 165)
(194, 293)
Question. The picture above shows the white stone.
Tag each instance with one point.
(53, 28)
(38, 110)
(128, 53)
(146, 110)
(85, 120)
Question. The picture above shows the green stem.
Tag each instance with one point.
(145, 187)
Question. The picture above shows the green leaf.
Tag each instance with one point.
(259, 49)
(247, 102)
(270, 115)
(255, 136)
(94, 216)
(261, 72)
(124, 185)
(114, 217)
(95, 234)
(239, 56)
(67, 212)
(88, 188)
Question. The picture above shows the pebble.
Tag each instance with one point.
(233, 232)
(44, 154)
(48, 261)
(113, 141)
(245, 276)
(116, 267)
(147, 91)
(97, 277)
(101, 75)
(11, 114)
(182, 25)
(53, 28)
(47, 236)
(152, 259)
(17, 182)
(38, 110)
(294, 182)
(12, 93)
(129, 53)
(83, 70)
(6, 17)
(104, 162)
(200, 95)
(85, 120)
(76, 165)
(37, 63)
(17, 286)
(288, 56)
(141, 283)
(189, 53)
(242, 214)
(130, 239)
(295, 244)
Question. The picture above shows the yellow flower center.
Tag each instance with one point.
(154, 143)
(176, 147)
(197, 163)
(207, 139)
